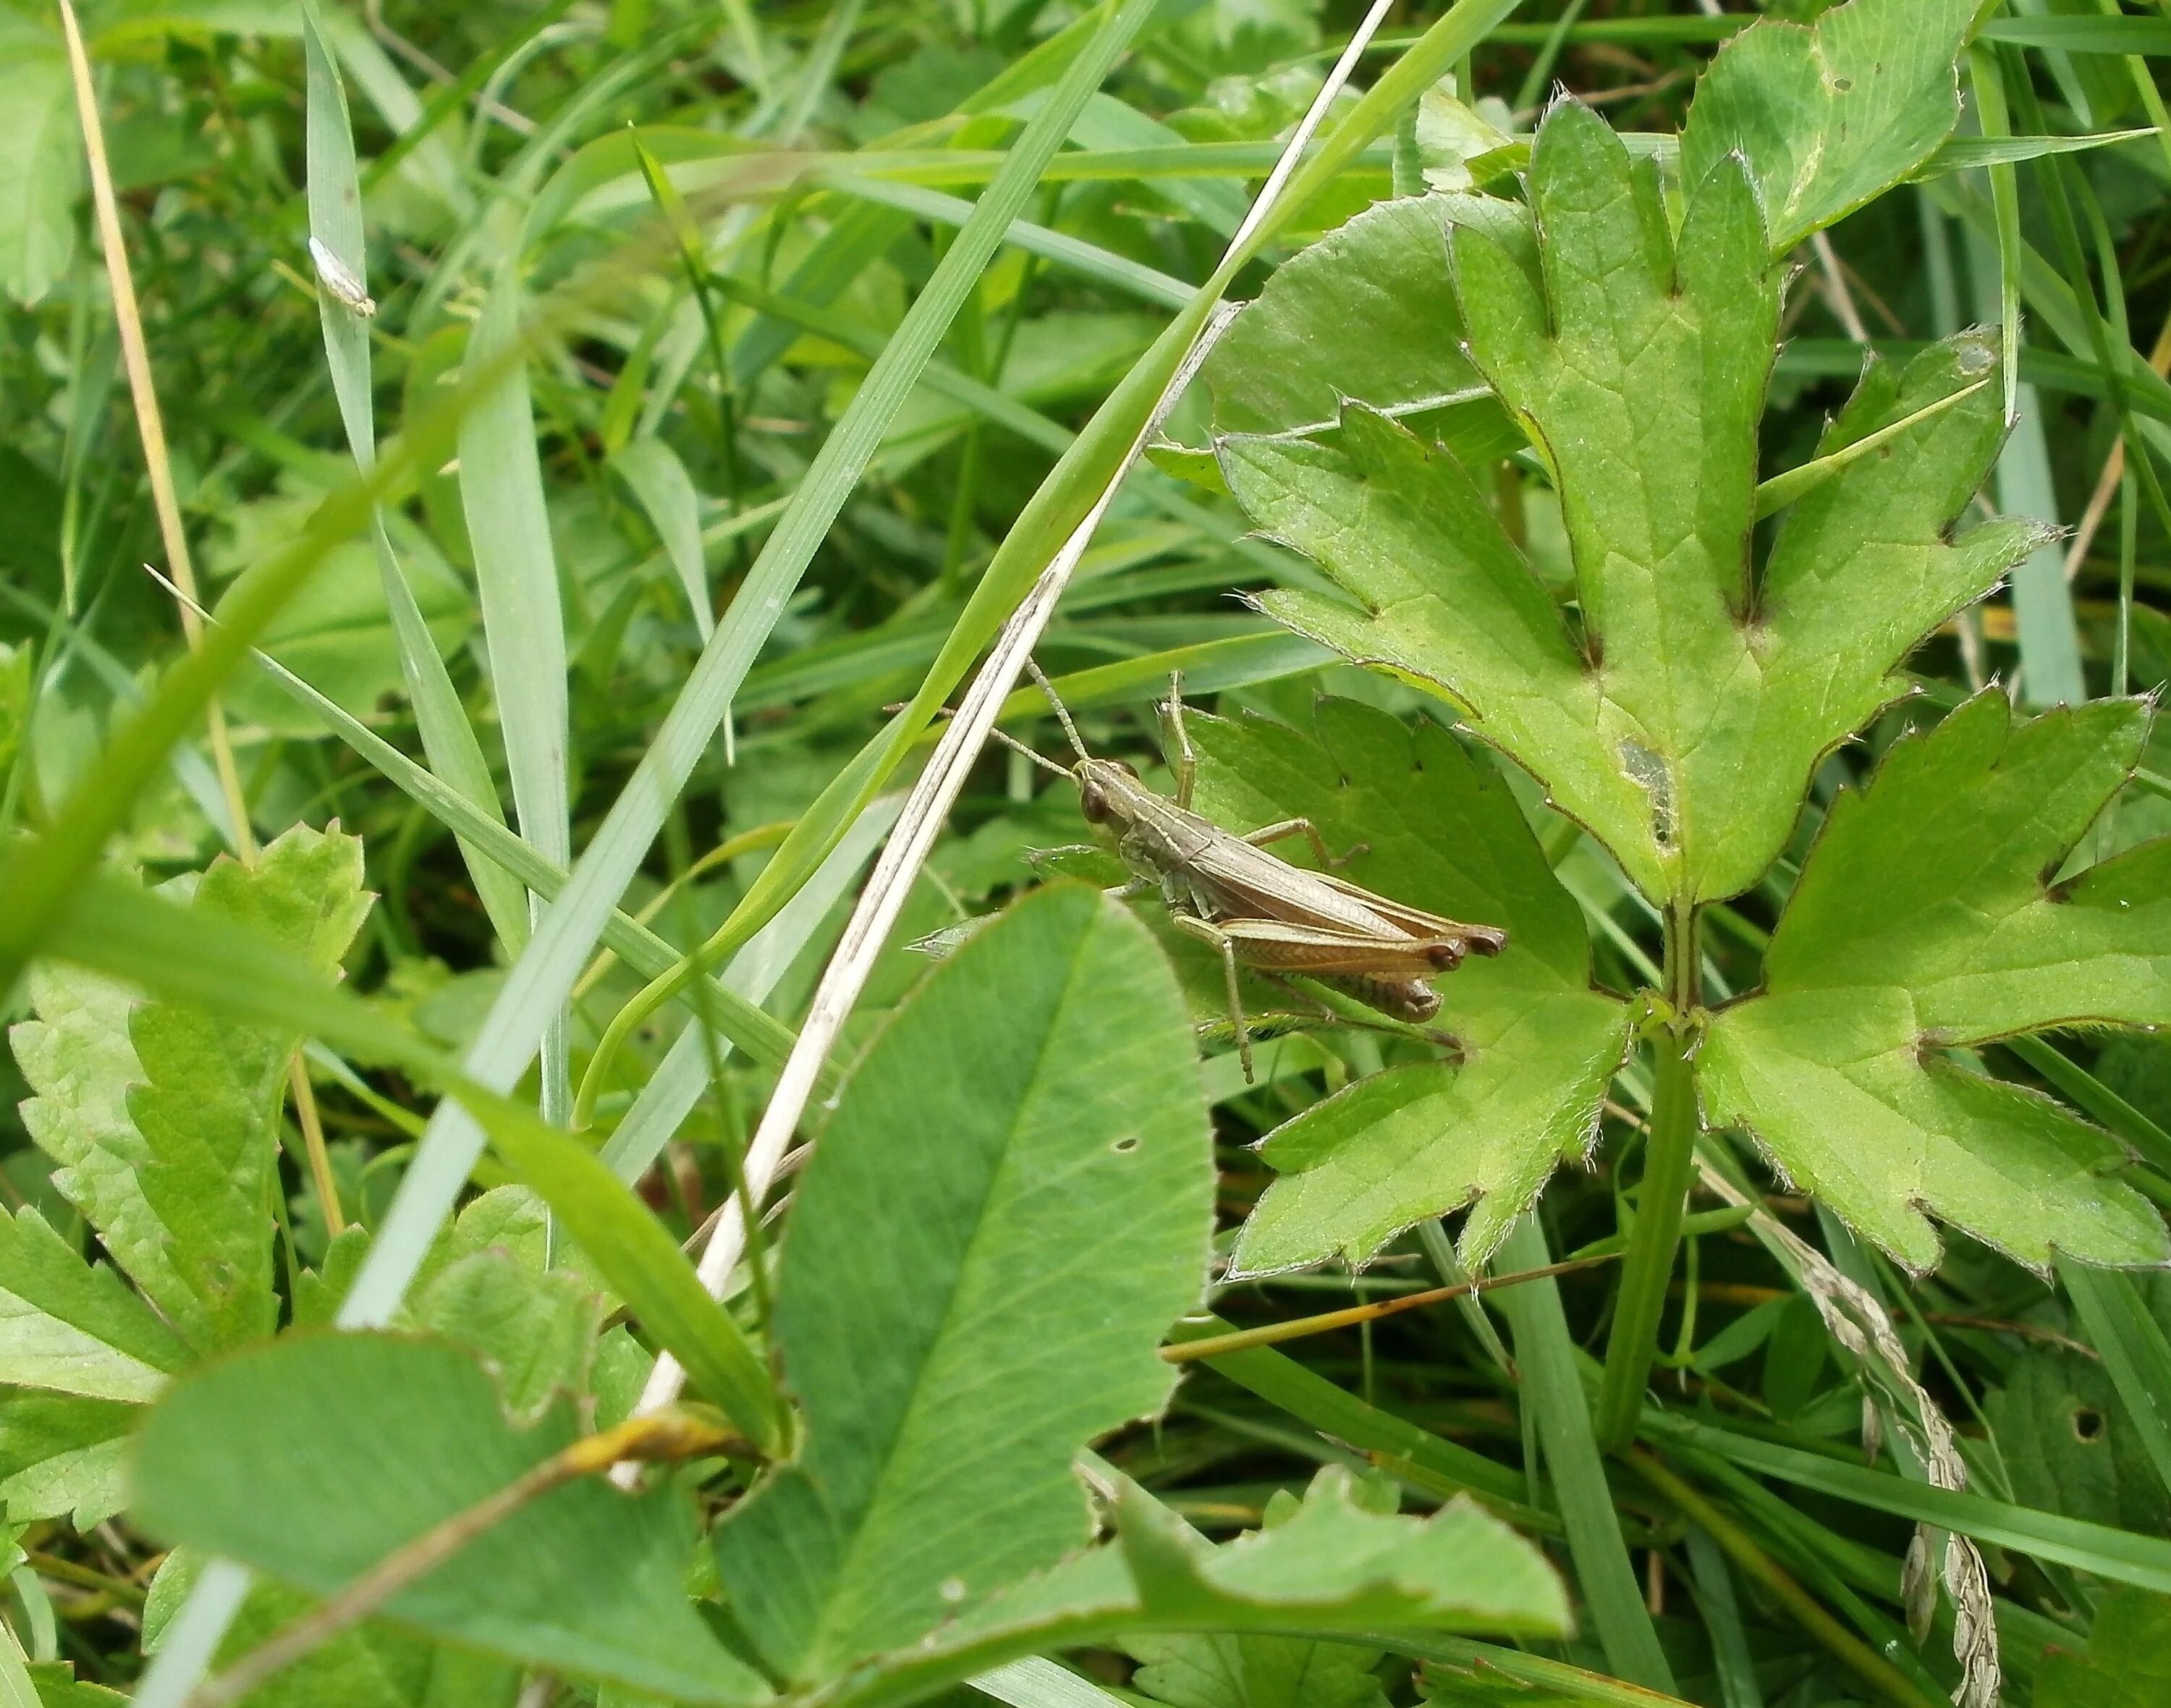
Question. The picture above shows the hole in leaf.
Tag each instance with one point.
(1124, 1146)
(1842, 84)
(2088, 1423)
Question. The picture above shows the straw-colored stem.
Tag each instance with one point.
(151, 426)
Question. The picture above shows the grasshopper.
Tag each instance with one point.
(1252, 908)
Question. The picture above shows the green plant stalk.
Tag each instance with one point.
(1872, 1668)
(1669, 1165)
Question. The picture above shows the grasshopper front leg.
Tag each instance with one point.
(1208, 932)
(1186, 762)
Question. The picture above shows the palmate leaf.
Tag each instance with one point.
(1011, 1204)
(1443, 831)
(1925, 917)
(1681, 717)
(164, 1119)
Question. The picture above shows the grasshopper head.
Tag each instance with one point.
(1105, 787)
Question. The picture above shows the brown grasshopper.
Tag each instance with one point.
(1252, 908)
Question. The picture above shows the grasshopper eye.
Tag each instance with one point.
(1093, 803)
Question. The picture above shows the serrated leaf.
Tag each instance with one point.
(958, 1316)
(402, 1434)
(163, 1119)
(1334, 1559)
(1680, 720)
(64, 1457)
(1829, 115)
(2129, 1659)
(535, 1330)
(1443, 832)
(75, 1327)
(1924, 918)
(1332, 1566)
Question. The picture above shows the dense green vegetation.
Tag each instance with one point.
(577, 1131)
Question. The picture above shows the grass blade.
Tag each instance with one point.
(523, 621)
(1552, 1386)
(335, 198)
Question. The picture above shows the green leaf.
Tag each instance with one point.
(58, 1687)
(533, 1328)
(335, 221)
(621, 1236)
(1443, 832)
(1336, 1563)
(72, 1327)
(40, 160)
(1559, 1419)
(1333, 1563)
(372, 1665)
(958, 1317)
(1680, 734)
(1829, 115)
(1254, 1671)
(164, 1119)
(651, 469)
(64, 1457)
(402, 1434)
(1924, 919)
(2128, 1663)
(1362, 314)
(516, 577)
(2069, 1447)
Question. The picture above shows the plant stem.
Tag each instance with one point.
(1669, 1163)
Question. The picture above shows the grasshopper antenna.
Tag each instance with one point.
(1008, 741)
(1016, 746)
(1062, 712)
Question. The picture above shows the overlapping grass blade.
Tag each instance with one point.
(334, 197)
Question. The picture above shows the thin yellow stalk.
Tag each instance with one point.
(151, 426)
